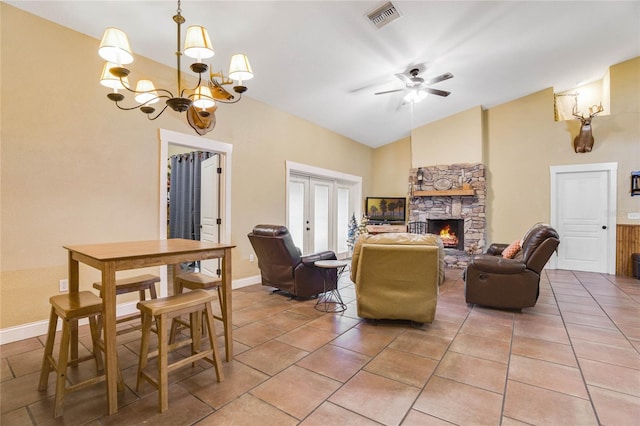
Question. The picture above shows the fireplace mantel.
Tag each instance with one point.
(445, 193)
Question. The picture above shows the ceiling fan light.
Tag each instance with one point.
(240, 68)
(415, 96)
(202, 98)
(111, 81)
(148, 94)
(115, 47)
(197, 44)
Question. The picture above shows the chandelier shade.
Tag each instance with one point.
(240, 68)
(146, 92)
(197, 44)
(198, 102)
(115, 47)
(203, 98)
(109, 80)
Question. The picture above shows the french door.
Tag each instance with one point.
(318, 213)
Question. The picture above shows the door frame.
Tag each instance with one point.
(225, 150)
(612, 198)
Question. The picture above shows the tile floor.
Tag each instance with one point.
(573, 359)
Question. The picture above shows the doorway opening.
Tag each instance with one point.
(194, 143)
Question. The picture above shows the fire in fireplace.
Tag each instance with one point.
(451, 231)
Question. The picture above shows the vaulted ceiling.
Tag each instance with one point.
(324, 60)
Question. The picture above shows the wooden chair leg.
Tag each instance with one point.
(63, 362)
(95, 341)
(152, 291)
(163, 372)
(212, 342)
(48, 351)
(144, 348)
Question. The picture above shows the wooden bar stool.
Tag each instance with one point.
(162, 310)
(71, 307)
(139, 283)
(197, 281)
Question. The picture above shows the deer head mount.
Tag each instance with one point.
(584, 141)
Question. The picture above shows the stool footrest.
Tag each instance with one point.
(127, 285)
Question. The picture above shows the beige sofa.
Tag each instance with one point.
(397, 276)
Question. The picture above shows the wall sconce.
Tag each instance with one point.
(420, 178)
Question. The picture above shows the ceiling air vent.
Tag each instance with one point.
(384, 15)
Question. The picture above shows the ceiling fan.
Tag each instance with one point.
(417, 87)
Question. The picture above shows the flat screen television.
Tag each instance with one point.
(386, 209)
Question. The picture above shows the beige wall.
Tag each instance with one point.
(75, 169)
(459, 134)
(390, 173)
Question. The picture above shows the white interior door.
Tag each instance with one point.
(583, 209)
(210, 210)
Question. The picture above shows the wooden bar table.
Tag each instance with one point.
(112, 257)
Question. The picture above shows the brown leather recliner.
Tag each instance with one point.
(492, 280)
(282, 266)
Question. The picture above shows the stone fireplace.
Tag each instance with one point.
(451, 199)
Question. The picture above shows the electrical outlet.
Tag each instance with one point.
(252, 257)
(633, 215)
(64, 285)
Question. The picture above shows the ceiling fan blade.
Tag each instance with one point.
(437, 92)
(445, 76)
(405, 78)
(388, 91)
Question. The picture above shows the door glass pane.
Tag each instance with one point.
(342, 219)
(296, 212)
(320, 218)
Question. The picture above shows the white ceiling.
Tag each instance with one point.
(323, 60)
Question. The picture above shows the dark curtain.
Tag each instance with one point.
(184, 195)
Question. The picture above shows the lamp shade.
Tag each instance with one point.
(198, 45)
(148, 95)
(203, 98)
(114, 47)
(240, 68)
(111, 81)
(415, 96)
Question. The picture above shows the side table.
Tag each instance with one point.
(331, 301)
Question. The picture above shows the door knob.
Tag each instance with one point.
(604, 226)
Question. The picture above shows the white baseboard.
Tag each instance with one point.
(39, 328)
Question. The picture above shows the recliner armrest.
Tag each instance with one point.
(496, 265)
(310, 259)
(496, 249)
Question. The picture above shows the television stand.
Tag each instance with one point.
(387, 227)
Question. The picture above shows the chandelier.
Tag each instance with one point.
(198, 102)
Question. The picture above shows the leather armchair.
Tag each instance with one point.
(495, 281)
(282, 266)
(397, 276)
